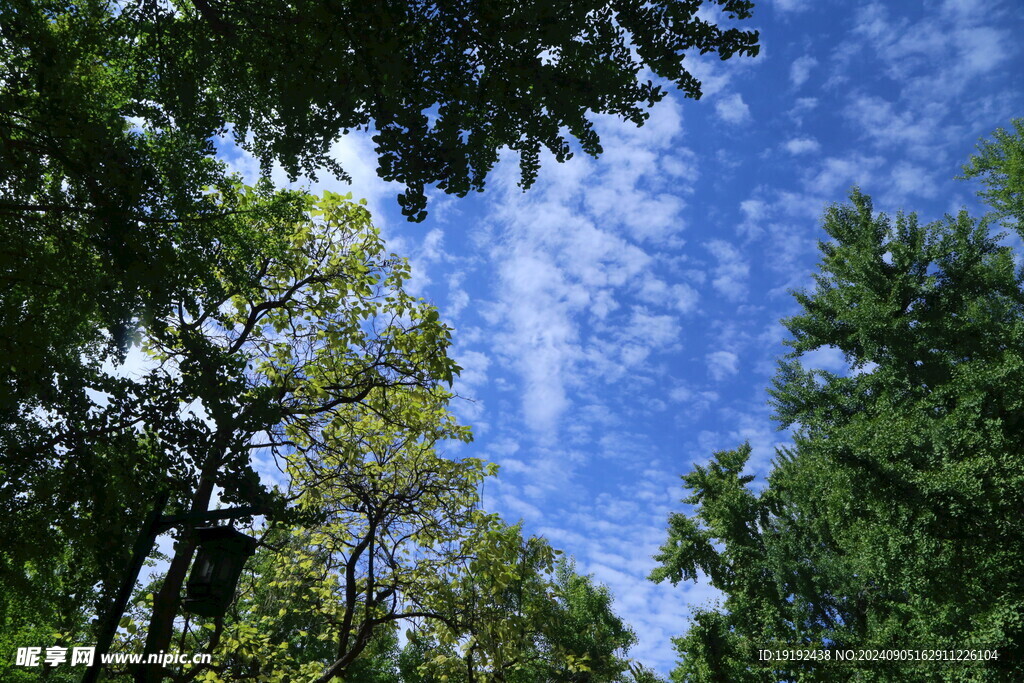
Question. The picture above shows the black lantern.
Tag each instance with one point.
(222, 554)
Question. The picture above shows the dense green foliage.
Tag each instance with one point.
(106, 210)
(269, 358)
(444, 85)
(384, 519)
(516, 615)
(476, 601)
(893, 521)
(999, 164)
(87, 448)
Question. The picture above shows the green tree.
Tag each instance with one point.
(387, 515)
(84, 459)
(999, 164)
(892, 522)
(106, 212)
(397, 515)
(396, 538)
(445, 86)
(516, 615)
(279, 354)
(285, 357)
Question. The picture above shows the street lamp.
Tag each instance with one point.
(218, 564)
(215, 572)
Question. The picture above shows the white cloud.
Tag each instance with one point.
(791, 5)
(730, 275)
(680, 296)
(801, 107)
(640, 179)
(474, 368)
(965, 9)
(800, 69)
(680, 394)
(654, 330)
(684, 297)
(356, 155)
(911, 179)
(836, 175)
(754, 209)
(712, 74)
(458, 297)
(541, 336)
(936, 57)
(917, 129)
(803, 145)
(695, 402)
(981, 49)
(722, 364)
(432, 248)
(519, 508)
(732, 109)
(827, 358)
(574, 245)
(872, 22)
(797, 205)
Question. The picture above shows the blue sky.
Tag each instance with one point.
(619, 321)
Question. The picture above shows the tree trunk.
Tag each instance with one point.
(108, 625)
(168, 599)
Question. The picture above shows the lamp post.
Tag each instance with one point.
(210, 589)
(215, 571)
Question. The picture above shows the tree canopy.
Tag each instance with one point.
(270, 360)
(892, 522)
(444, 85)
(514, 613)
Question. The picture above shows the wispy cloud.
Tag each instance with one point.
(732, 109)
(722, 364)
(804, 145)
(800, 69)
(572, 247)
(835, 175)
(730, 275)
(791, 5)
